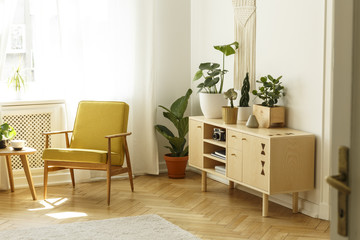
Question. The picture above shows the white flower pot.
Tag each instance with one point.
(244, 113)
(211, 104)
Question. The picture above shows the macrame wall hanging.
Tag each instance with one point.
(245, 34)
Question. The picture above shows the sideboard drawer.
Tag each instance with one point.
(234, 140)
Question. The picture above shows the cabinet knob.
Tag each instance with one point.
(233, 154)
(198, 126)
(233, 136)
(243, 139)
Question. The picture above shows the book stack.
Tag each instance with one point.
(220, 169)
(219, 154)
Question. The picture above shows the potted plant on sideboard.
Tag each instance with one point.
(6, 134)
(244, 109)
(177, 159)
(229, 113)
(210, 91)
(268, 114)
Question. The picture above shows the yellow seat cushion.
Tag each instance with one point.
(81, 155)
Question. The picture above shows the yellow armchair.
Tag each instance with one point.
(98, 142)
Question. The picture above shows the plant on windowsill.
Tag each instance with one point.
(16, 80)
(268, 114)
(229, 113)
(244, 108)
(210, 90)
(176, 160)
(6, 133)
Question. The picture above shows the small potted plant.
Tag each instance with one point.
(210, 90)
(244, 108)
(268, 114)
(6, 134)
(176, 160)
(17, 81)
(229, 113)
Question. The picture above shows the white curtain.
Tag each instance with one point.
(7, 11)
(100, 50)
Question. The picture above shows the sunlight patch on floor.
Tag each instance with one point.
(64, 215)
(49, 203)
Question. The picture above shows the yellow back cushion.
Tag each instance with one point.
(96, 119)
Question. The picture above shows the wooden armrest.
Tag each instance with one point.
(57, 132)
(118, 135)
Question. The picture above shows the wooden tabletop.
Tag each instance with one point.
(10, 151)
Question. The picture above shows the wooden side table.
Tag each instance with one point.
(8, 152)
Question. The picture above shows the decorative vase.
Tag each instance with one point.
(176, 166)
(269, 116)
(211, 104)
(252, 122)
(229, 114)
(244, 113)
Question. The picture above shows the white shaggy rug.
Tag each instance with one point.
(139, 227)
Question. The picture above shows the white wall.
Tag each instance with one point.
(172, 58)
(212, 23)
(290, 42)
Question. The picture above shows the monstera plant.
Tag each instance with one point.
(210, 90)
(212, 73)
(177, 159)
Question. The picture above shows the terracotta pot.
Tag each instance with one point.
(176, 166)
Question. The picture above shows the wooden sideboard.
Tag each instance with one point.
(268, 160)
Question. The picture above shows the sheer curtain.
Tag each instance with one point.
(7, 11)
(101, 50)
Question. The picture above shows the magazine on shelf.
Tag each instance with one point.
(220, 169)
(219, 154)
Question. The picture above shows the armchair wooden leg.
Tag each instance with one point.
(108, 185)
(131, 180)
(72, 177)
(45, 178)
(128, 163)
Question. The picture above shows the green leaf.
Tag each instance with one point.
(171, 149)
(5, 127)
(205, 66)
(198, 75)
(164, 131)
(179, 106)
(177, 144)
(171, 117)
(185, 152)
(228, 49)
(164, 108)
(183, 127)
(214, 66)
(263, 79)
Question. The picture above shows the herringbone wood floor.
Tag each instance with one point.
(219, 213)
